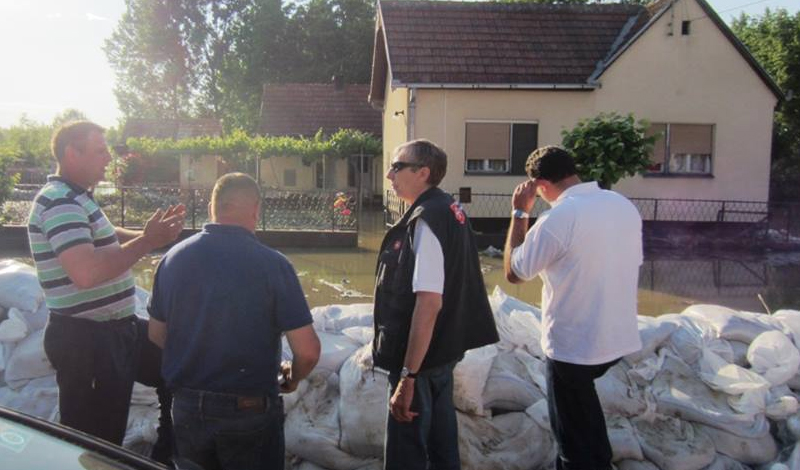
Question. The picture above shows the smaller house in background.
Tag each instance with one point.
(190, 171)
(302, 110)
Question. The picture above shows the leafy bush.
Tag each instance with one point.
(609, 147)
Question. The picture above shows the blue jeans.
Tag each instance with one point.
(430, 440)
(222, 431)
(576, 417)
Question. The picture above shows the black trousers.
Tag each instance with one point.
(96, 364)
(576, 417)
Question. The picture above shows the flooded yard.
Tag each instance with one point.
(668, 281)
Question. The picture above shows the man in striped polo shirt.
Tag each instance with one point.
(83, 262)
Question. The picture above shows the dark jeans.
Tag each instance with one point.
(430, 440)
(96, 364)
(222, 431)
(576, 417)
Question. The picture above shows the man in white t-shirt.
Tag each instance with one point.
(430, 307)
(587, 249)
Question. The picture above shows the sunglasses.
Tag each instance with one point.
(399, 166)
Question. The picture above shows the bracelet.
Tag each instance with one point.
(519, 214)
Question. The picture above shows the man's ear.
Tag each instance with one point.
(424, 173)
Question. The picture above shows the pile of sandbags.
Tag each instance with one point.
(27, 380)
(712, 388)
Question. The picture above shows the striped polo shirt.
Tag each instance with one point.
(65, 215)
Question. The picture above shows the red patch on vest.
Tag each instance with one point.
(397, 245)
(458, 212)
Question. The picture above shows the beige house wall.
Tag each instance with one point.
(395, 129)
(198, 172)
(696, 79)
(699, 78)
(273, 169)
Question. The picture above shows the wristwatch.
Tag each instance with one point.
(404, 372)
(519, 214)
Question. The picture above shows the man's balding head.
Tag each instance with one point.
(235, 200)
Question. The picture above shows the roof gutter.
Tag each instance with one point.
(498, 86)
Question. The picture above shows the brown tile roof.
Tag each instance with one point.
(171, 128)
(502, 43)
(304, 108)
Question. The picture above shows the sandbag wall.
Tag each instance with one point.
(712, 388)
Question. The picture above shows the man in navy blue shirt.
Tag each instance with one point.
(220, 302)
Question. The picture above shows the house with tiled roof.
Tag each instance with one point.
(302, 110)
(490, 82)
(190, 171)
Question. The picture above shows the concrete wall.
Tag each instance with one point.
(198, 172)
(395, 128)
(273, 172)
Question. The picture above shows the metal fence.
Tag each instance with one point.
(320, 210)
(779, 219)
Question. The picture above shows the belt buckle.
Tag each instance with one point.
(250, 403)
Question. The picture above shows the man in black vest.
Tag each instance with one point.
(430, 307)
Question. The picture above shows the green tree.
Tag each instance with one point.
(26, 143)
(609, 147)
(149, 50)
(774, 40)
(193, 58)
(68, 115)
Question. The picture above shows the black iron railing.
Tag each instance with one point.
(320, 210)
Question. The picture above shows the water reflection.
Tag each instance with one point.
(668, 282)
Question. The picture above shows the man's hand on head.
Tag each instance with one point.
(524, 196)
(163, 227)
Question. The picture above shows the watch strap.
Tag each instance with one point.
(519, 214)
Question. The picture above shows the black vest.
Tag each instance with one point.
(465, 321)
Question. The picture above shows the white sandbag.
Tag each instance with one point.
(509, 387)
(360, 334)
(723, 462)
(142, 298)
(730, 324)
(653, 331)
(38, 319)
(729, 378)
(13, 328)
(363, 405)
(617, 395)
(790, 319)
(511, 441)
(623, 438)
(518, 323)
(678, 392)
(469, 379)
(751, 451)
(143, 395)
(28, 361)
(312, 427)
(673, 444)
(38, 397)
(693, 336)
(540, 413)
(335, 318)
(335, 349)
(635, 465)
(774, 356)
(781, 403)
(142, 428)
(739, 353)
(19, 286)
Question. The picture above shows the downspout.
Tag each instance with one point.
(412, 114)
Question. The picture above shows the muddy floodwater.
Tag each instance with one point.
(668, 281)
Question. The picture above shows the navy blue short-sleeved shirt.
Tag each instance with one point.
(226, 299)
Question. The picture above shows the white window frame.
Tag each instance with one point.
(486, 170)
(665, 165)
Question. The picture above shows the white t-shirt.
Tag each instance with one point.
(587, 249)
(428, 260)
